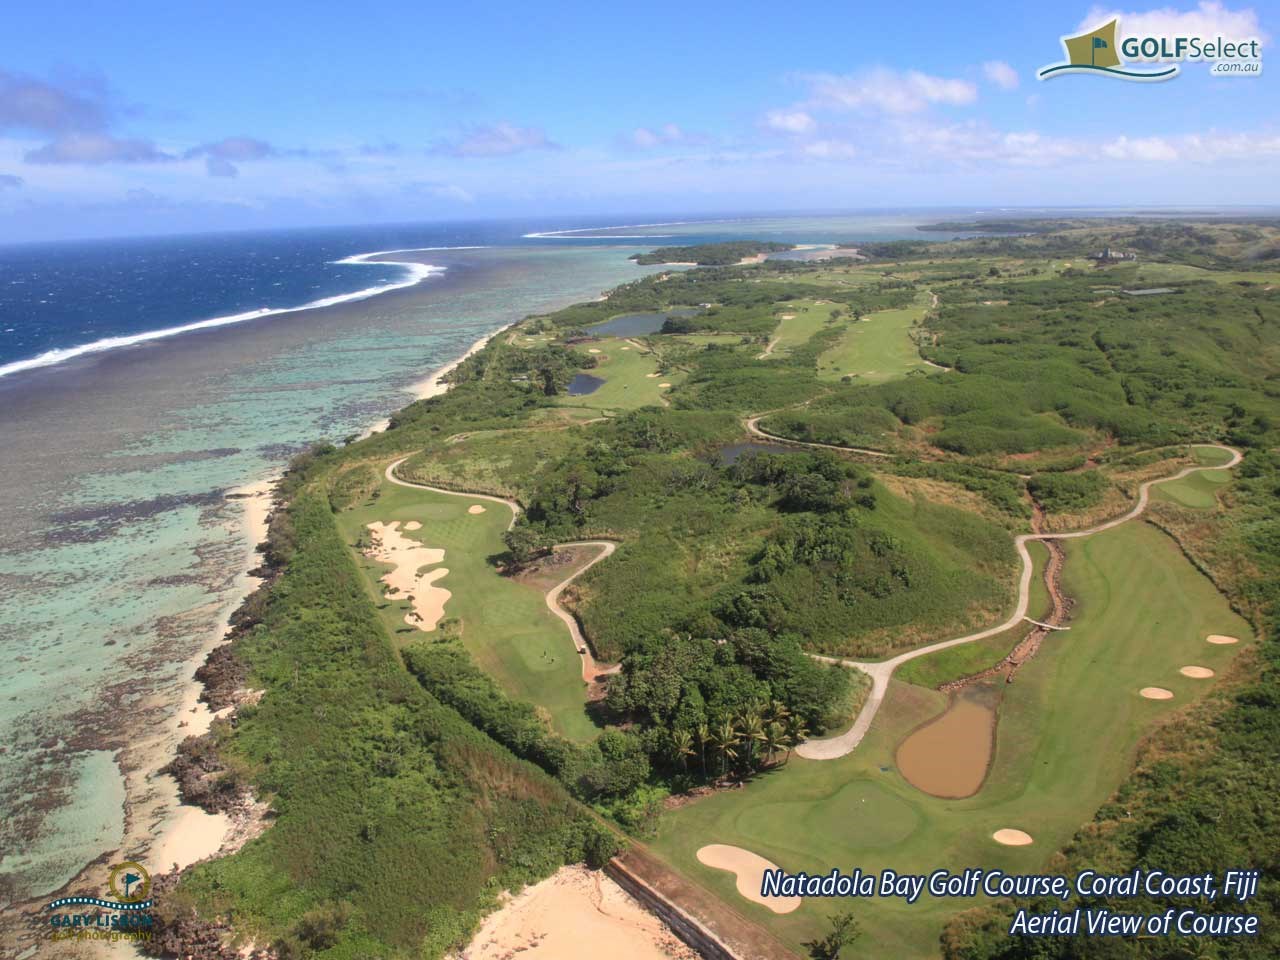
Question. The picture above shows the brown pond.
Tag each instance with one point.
(948, 756)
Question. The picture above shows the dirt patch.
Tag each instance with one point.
(1012, 838)
(1196, 673)
(949, 755)
(749, 870)
(576, 914)
(1220, 638)
(1156, 693)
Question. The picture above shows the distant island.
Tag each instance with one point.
(712, 254)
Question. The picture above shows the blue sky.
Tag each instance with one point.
(146, 117)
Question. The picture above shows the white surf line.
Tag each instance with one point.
(752, 425)
(590, 668)
(881, 671)
(417, 273)
(568, 234)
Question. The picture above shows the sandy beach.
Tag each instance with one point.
(575, 914)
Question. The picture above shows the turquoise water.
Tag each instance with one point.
(119, 552)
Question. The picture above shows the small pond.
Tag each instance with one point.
(640, 324)
(584, 383)
(736, 451)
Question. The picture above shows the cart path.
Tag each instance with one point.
(591, 668)
(881, 671)
(753, 427)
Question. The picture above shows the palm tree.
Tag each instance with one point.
(777, 710)
(704, 734)
(752, 733)
(724, 738)
(775, 735)
(682, 745)
(797, 733)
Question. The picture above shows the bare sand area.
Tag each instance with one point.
(475, 508)
(575, 914)
(407, 557)
(1012, 838)
(1220, 639)
(1156, 693)
(749, 870)
(1196, 673)
(949, 755)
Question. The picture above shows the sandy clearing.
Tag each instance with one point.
(575, 914)
(1196, 673)
(1221, 638)
(1156, 693)
(749, 869)
(475, 508)
(407, 557)
(1012, 838)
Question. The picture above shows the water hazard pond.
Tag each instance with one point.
(949, 755)
(584, 383)
(640, 324)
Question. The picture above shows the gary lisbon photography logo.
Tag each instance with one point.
(126, 916)
(1102, 51)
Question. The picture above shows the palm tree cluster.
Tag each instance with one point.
(743, 744)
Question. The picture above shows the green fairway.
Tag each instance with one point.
(506, 625)
(1067, 733)
(798, 320)
(1198, 491)
(877, 348)
(625, 370)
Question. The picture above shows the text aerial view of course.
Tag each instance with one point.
(899, 556)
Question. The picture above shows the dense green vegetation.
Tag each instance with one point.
(710, 254)
(464, 749)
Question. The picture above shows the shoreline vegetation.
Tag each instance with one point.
(408, 787)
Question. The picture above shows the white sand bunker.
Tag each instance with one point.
(1196, 673)
(1156, 693)
(749, 869)
(407, 557)
(576, 914)
(1220, 638)
(626, 348)
(475, 508)
(653, 376)
(663, 385)
(786, 316)
(593, 350)
(1012, 838)
(413, 525)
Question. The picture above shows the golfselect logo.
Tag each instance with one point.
(1100, 51)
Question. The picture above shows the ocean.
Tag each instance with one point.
(141, 382)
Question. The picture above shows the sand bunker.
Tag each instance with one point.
(1156, 693)
(1222, 638)
(576, 914)
(1012, 838)
(664, 385)
(653, 376)
(475, 508)
(593, 350)
(749, 870)
(786, 316)
(1196, 673)
(948, 756)
(407, 557)
(413, 525)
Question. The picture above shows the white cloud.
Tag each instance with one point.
(789, 121)
(887, 91)
(830, 150)
(1208, 19)
(1001, 74)
(98, 148)
(497, 140)
(666, 135)
(1145, 149)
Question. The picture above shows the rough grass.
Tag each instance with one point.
(1066, 739)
